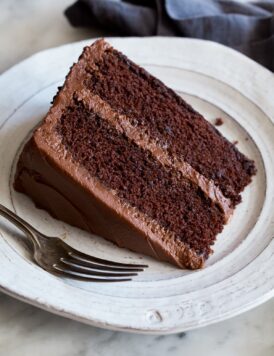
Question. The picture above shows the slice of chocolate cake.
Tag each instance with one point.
(121, 155)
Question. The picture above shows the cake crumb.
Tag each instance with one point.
(235, 142)
(246, 139)
(219, 121)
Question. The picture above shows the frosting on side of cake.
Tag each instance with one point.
(60, 173)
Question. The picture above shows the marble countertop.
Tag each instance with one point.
(27, 26)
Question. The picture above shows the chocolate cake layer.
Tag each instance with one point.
(121, 155)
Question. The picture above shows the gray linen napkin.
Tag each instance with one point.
(246, 27)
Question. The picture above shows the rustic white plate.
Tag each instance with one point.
(218, 82)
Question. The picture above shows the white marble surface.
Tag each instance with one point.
(27, 26)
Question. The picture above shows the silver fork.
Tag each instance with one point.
(57, 257)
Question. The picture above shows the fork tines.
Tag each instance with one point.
(80, 266)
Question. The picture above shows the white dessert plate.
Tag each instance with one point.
(218, 82)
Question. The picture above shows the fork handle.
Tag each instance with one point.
(19, 222)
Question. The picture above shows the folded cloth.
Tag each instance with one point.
(247, 27)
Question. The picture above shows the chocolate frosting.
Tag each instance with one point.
(47, 172)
